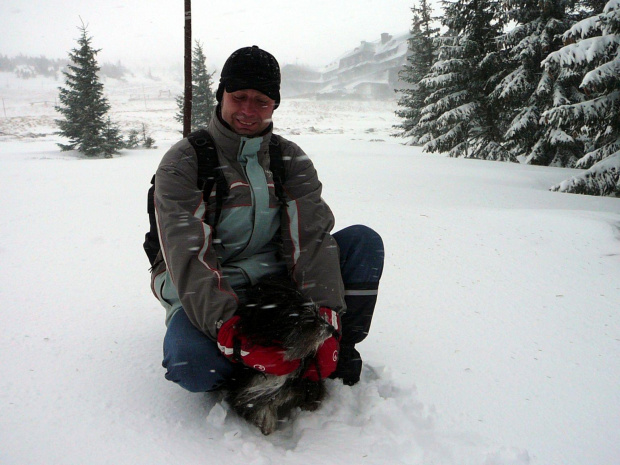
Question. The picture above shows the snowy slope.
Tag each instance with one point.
(496, 337)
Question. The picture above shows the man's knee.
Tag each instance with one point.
(194, 369)
(191, 359)
(361, 254)
(361, 236)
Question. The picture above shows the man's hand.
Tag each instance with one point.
(333, 319)
(326, 359)
(238, 348)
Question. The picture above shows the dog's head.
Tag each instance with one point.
(276, 311)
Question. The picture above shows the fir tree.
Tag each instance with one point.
(137, 137)
(528, 89)
(422, 55)
(459, 118)
(203, 97)
(133, 139)
(593, 53)
(84, 106)
(113, 140)
(587, 8)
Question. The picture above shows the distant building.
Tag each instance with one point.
(369, 71)
(300, 81)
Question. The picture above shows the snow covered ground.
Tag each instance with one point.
(496, 338)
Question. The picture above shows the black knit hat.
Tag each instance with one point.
(251, 68)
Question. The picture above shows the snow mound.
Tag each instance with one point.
(374, 422)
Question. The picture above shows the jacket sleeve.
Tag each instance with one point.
(310, 250)
(186, 241)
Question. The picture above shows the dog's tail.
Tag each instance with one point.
(261, 386)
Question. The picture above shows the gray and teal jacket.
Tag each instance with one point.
(256, 236)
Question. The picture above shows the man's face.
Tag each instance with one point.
(247, 111)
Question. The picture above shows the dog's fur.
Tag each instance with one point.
(275, 311)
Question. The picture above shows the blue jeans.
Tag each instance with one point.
(193, 361)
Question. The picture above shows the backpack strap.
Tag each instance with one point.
(276, 165)
(209, 171)
(151, 238)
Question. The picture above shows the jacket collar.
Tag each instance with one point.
(229, 141)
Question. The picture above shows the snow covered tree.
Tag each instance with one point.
(422, 55)
(592, 52)
(84, 106)
(203, 97)
(458, 117)
(587, 8)
(528, 89)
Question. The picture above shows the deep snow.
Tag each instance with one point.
(496, 338)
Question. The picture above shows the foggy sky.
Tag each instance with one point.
(145, 32)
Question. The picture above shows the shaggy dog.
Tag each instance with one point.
(276, 311)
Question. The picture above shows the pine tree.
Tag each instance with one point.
(133, 139)
(528, 89)
(137, 138)
(587, 8)
(459, 118)
(593, 53)
(203, 97)
(113, 140)
(422, 55)
(84, 106)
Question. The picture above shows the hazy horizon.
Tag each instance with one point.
(151, 32)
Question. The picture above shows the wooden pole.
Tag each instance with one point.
(187, 101)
